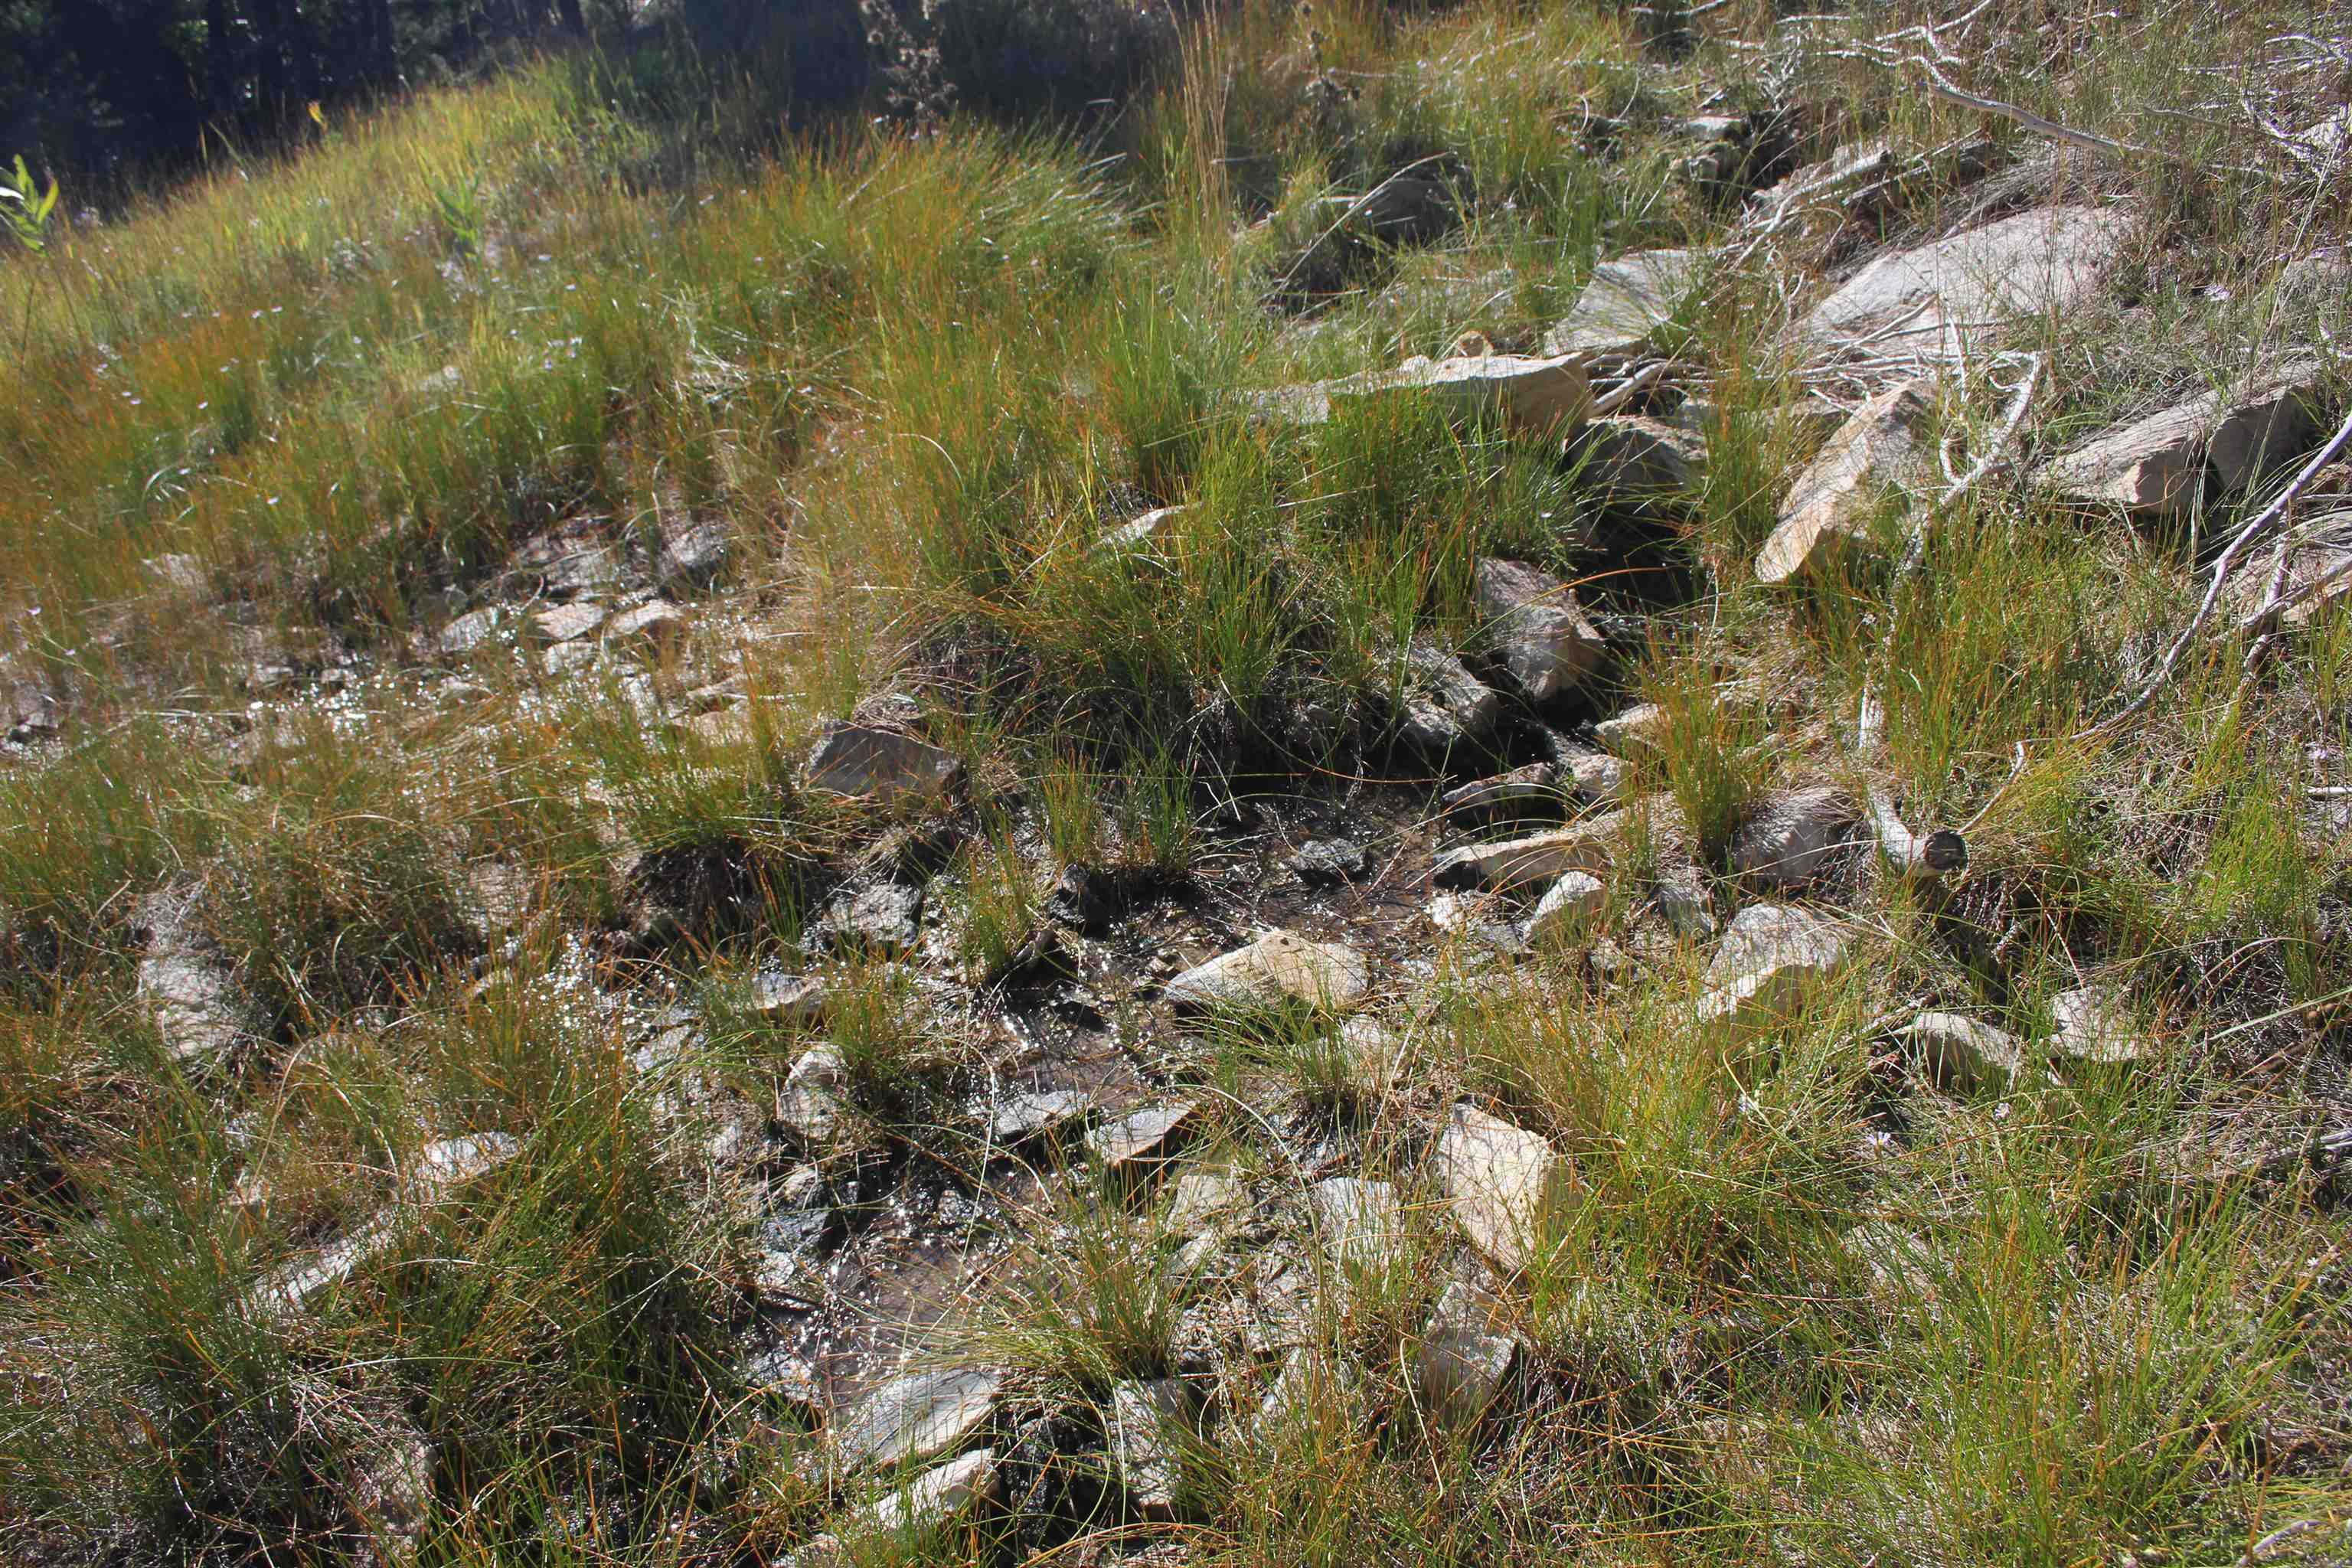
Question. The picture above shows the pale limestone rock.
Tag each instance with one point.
(1546, 643)
(1568, 909)
(1587, 847)
(1626, 298)
(796, 999)
(1523, 792)
(1771, 958)
(1499, 1180)
(1532, 397)
(1141, 530)
(2159, 466)
(1956, 291)
(1460, 1365)
(1144, 1416)
(657, 623)
(867, 762)
(1962, 1055)
(1034, 1114)
(1279, 967)
(2092, 1023)
(1204, 1199)
(1640, 463)
(938, 1496)
(816, 1094)
(1359, 1223)
(1444, 705)
(1143, 1139)
(1640, 728)
(1886, 446)
(559, 624)
(919, 1416)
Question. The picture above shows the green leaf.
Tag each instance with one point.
(48, 204)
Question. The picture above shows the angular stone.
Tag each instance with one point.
(2159, 466)
(1883, 447)
(1531, 791)
(1139, 531)
(1961, 1054)
(1770, 959)
(887, 918)
(1568, 909)
(1499, 1180)
(1955, 291)
(1032, 1113)
(1374, 1055)
(1281, 966)
(2329, 552)
(188, 986)
(1443, 704)
(1586, 846)
(1640, 464)
(1144, 1139)
(1359, 1223)
(1460, 1365)
(1202, 1199)
(1625, 300)
(1144, 1414)
(1792, 837)
(1683, 900)
(1327, 862)
(816, 1094)
(1640, 728)
(1546, 643)
(1597, 778)
(558, 624)
(656, 621)
(451, 1162)
(869, 762)
(2092, 1024)
(692, 556)
(1532, 397)
(919, 1416)
(290, 1288)
(938, 1496)
(796, 999)
(467, 632)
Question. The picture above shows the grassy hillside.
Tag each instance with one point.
(402, 1156)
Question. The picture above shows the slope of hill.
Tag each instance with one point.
(1502, 782)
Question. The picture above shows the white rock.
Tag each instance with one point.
(1640, 728)
(1359, 1223)
(658, 622)
(1144, 1416)
(1031, 1113)
(1953, 293)
(919, 1416)
(1460, 1364)
(1499, 1180)
(1883, 447)
(453, 1160)
(1771, 960)
(559, 624)
(1143, 1139)
(1536, 858)
(938, 1496)
(1280, 967)
(2092, 1023)
(1444, 705)
(1203, 1199)
(1626, 298)
(2159, 466)
(1139, 531)
(1568, 909)
(1544, 397)
(1547, 645)
(788, 998)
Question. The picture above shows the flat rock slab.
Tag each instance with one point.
(1533, 790)
(1771, 960)
(1204, 1199)
(2223, 440)
(1536, 859)
(1442, 704)
(657, 623)
(1792, 837)
(1499, 1180)
(1546, 396)
(188, 986)
(1147, 1419)
(1639, 464)
(1640, 728)
(559, 624)
(1954, 292)
(1626, 299)
(1279, 967)
(867, 762)
(1142, 1139)
(1961, 1054)
(938, 1496)
(917, 1416)
(1035, 1113)
(788, 998)
(1546, 643)
(1883, 447)
(1359, 1223)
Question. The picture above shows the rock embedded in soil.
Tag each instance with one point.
(692, 556)
(1883, 447)
(1640, 728)
(388, 1488)
(1499, 1181)
(937, 1497)
(1145, 1414)
(1141, 530)
(1962, 1055)
(816, 1094)
(1460, 1365)
(1036, 1112)
(1279, 967)
(1328, 862)
(189, 987)
(1203, 1199)
(1531, 791)
(2163, 465)
(1568, 908)
(885, 919)
(467, 632)
(559, 624)
(1793, 835)
(1626, 299)
(657, 623)
(1771, 958)
(1544, 397)
(793, 999)
(2092, 1023)
(919, 1416)
(1640, 465)
(1541, 633)
(1444, 706)
(1142, 1140)
(1539, 858)
(867, 762)
(1955, 293)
